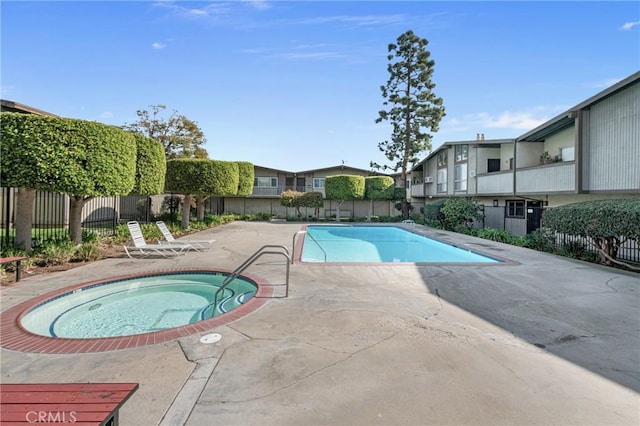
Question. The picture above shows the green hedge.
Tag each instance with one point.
(151, 166)
(379, 187)
(66, 155)
(198, 176)
(246, 176)
(344, 187)
(608, 223)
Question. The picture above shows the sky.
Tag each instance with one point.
(295, 85)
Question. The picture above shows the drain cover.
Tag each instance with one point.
(210, 338)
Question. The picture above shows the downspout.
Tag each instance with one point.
(579, 147)
(515, 165)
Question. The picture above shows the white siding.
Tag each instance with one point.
(557, 177)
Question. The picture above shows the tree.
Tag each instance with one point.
(200, 178)
(298, 200)
(151, 166)
(378, 188)
(412, 107)
(181, 137)
(342, 188)
(82, 159)
(608, 223)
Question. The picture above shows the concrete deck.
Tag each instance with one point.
(540, 340)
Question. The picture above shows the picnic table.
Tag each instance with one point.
(81, 404)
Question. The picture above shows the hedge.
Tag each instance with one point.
(151, 166)
(246, 176)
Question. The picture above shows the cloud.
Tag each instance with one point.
(106, 114)
(309, 55)
(357, 20)
(258, 4)
(158, 46)
(214, 8)
(516, 120)
(629, 25)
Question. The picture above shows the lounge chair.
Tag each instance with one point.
(141, 245)
(195, 244)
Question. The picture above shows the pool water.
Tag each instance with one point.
(342, 243)
(137, 305)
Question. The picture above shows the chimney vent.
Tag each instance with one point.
(482, 137)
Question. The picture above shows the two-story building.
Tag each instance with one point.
(270, 183)
(591, 151)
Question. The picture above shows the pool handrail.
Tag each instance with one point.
(293, 245)
(257, 254)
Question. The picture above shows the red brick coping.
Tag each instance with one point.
(17, 338)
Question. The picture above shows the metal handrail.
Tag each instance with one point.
(255, 256)
(293, 245)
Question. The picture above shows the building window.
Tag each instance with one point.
(460, 177)
(265, 182)
(493, 165)
(318, 182)
(442, 180)
(442, 158)
(515, 208)
(462, 152)
(567, 154)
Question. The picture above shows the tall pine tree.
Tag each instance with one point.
(412, 107)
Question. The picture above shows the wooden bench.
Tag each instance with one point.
(16, 259)
(80, 404)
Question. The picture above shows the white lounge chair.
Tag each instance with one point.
(195, 244)
(141, 245)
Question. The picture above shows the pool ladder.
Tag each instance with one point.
(293, 245)
(255, 256)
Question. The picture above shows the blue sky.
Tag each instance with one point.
(295, 85)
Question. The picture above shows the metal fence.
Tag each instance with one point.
(50, 221)
(629, 251)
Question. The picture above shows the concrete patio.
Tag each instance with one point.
(537, 340)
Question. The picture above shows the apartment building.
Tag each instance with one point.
(590, 151)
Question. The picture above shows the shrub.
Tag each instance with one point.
(541, 239)
(55, 253)
(608, 223)
(433, 213)
(87, 253)
(459, 212)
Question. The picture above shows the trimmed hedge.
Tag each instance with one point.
(608, 223)
(198, 176)
(246, 176)
(344, 187)
(151, 166)
(379, 187)
(66, 155)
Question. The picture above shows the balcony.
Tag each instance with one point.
(417, 190)
(555, 177)
(275, 191)
(495, 183)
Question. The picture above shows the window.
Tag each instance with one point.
(442, 180)
(460, 177)
(318, 182)
(493, 165)
(442, 158)
(515, 208)
(462, 152)
(567, 154)
(511, 163)
(265, 182)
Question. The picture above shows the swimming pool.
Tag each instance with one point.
(137, 305)
(356, 243)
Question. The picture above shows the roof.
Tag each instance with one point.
(567, 118)
(469, 142)
(11, 106)
(340, 166)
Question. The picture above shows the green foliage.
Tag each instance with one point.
(151, 166)
(90, 236)
(433, 215)
(459, 212)
(65, 155)
(246, 175)
(541, 239)
(379, 188)
(289, 198)
(608, 223)
(411, 106)
(198, 176)
(299, 200)
(344, 187)
(500, 235)
(55, 253)
(179, 136)
(399, 193)
(311, 200)
(87, 253)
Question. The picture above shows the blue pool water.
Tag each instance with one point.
(380, 244)
(137, 305)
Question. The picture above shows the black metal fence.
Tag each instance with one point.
(50, 221)
(629, 251)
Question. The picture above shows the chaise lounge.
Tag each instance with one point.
(146, 249)
(195, 244)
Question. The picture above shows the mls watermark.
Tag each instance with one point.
(51, 417)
